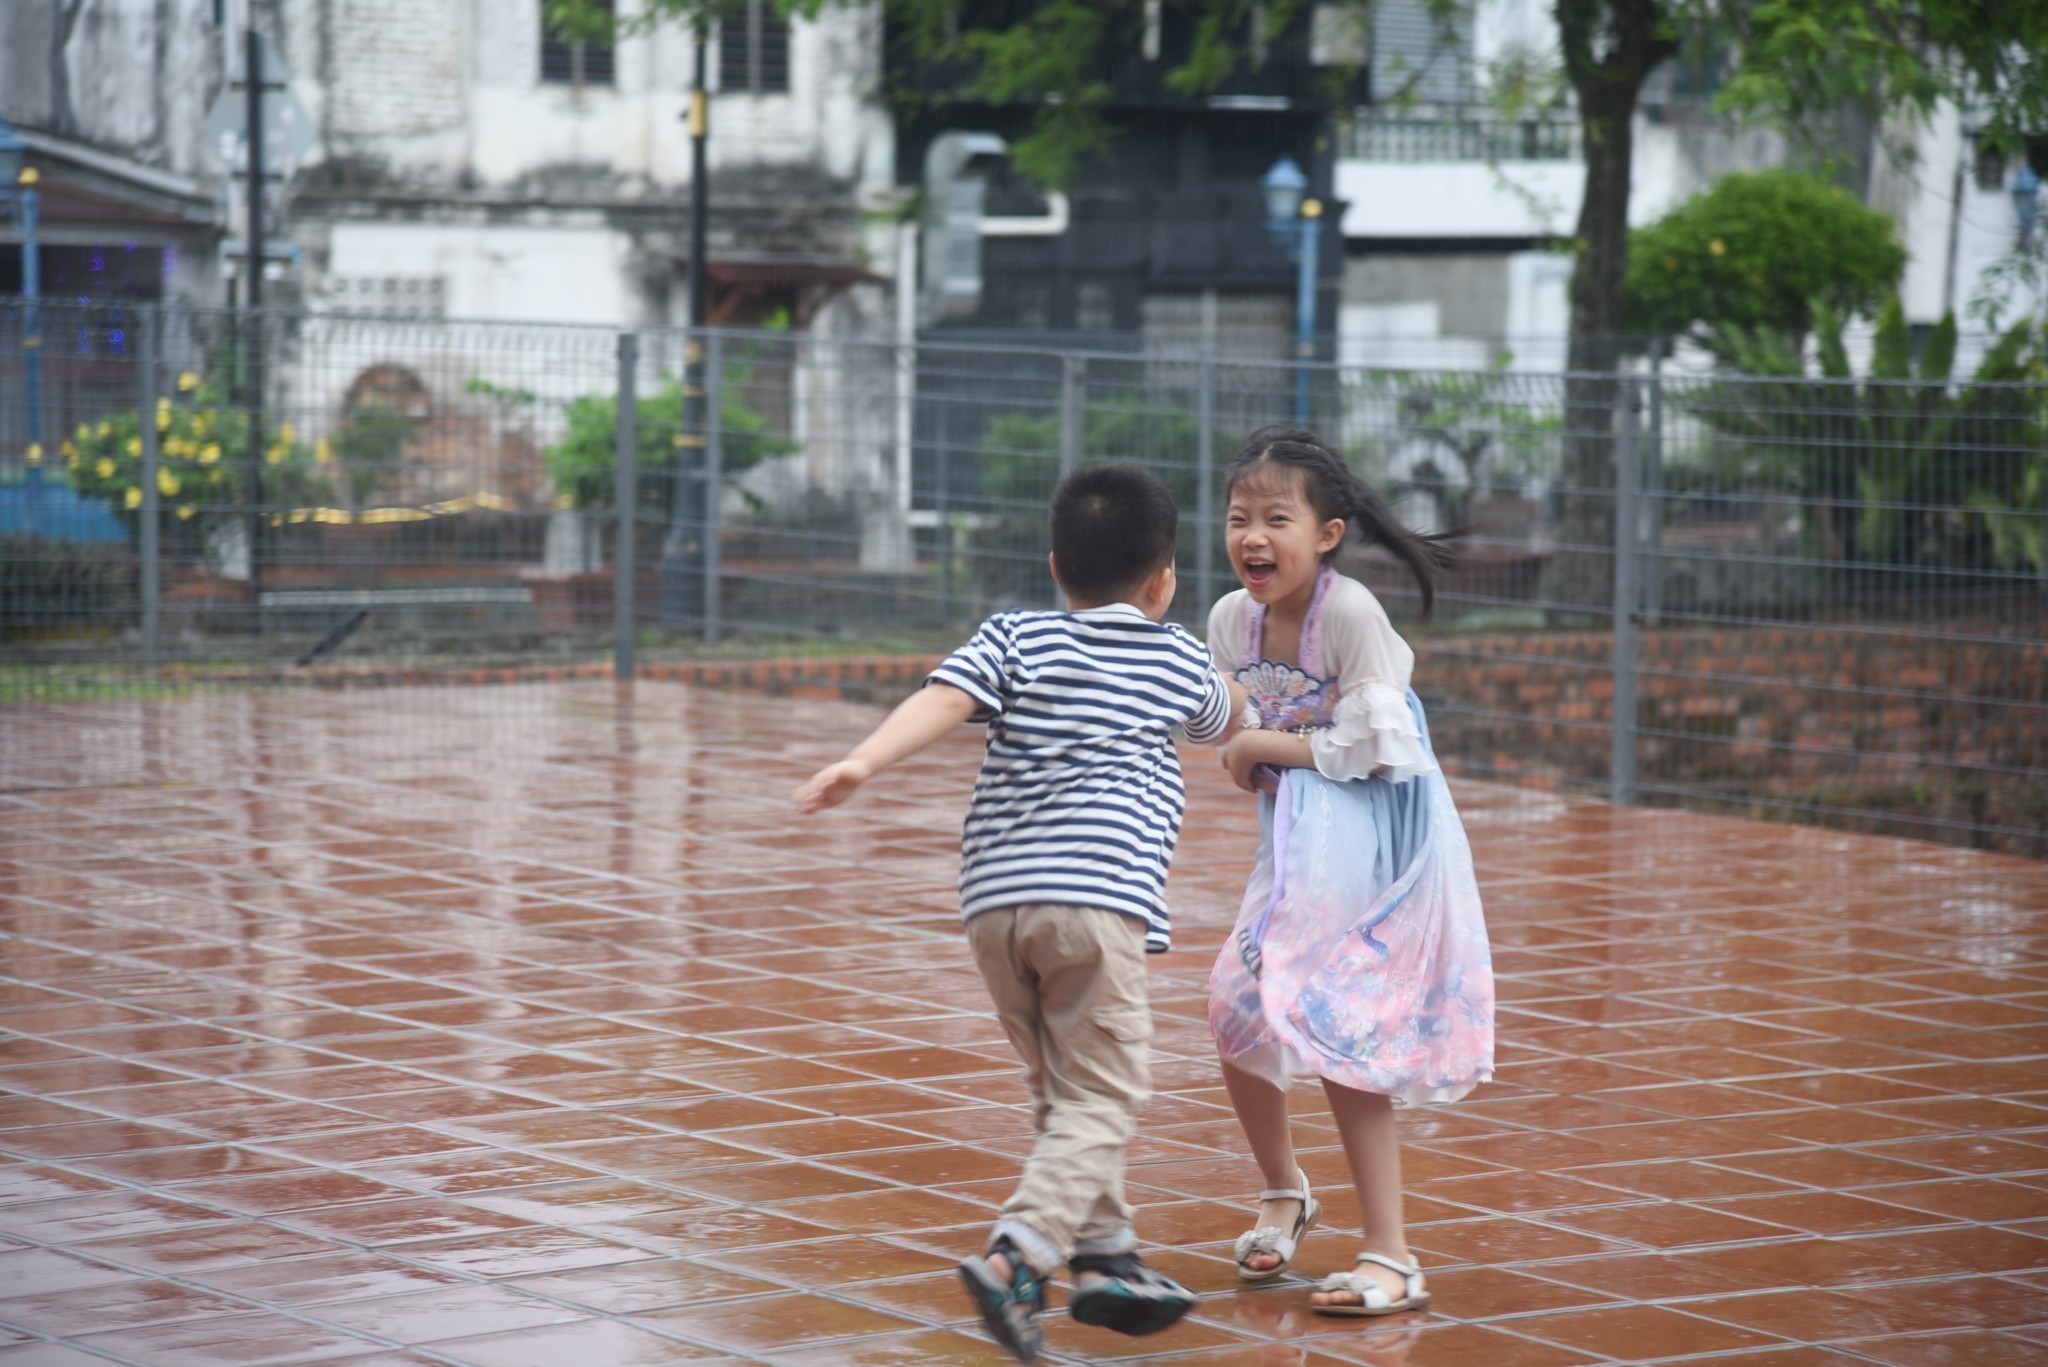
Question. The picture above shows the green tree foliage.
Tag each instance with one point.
(583, 462)
(1902, 467)
(1759, 251)
(1053, 57)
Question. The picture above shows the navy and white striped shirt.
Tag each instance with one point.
(1080, 797)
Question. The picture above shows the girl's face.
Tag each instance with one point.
(1276, 541)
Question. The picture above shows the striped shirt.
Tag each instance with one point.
(1080, 797)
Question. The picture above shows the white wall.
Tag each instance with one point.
(1459, 198)
(549, 273)
(441, 90)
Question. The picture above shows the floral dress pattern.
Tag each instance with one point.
(1360, 953)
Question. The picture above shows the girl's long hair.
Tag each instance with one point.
(1335, 492)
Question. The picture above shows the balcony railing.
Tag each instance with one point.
(1369, 138)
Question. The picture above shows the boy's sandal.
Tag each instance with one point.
(1272, 1238)
(1133, 1300)
(1009, 1305)
(1373, 1300)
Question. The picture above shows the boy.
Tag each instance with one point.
(1062, 878)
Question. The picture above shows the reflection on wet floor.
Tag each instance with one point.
(525, 1025)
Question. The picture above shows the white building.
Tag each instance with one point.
(470, 164)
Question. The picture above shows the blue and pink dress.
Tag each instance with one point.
(1360, 954)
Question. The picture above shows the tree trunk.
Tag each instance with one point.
(1609, 47)
(1583, 568)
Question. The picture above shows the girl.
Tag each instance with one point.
(1360, 954)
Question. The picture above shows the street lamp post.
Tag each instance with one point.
(1295, 221)
(18, 187)
(682, 578)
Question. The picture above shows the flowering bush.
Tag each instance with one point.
(203, 466)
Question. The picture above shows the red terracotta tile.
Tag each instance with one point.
(577, 1047)
(1634, 1333)
(784, 1321)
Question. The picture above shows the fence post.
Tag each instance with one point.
(146, 325)
(1205, 476)
(1073, 381)
(1653, 492)
(714, 469)
(1627, 482)
(625, 499)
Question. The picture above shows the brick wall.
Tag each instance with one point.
(1811, 716)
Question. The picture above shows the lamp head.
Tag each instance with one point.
(1284, 185)
(2026, 201)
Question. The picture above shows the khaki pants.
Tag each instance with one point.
(1069, 988)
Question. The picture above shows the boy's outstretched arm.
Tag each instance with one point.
(918, 720)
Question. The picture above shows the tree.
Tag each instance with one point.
(1799, 63)
(1760, 251)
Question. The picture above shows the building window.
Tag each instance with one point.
(753, 50)
(1990, 166)
(565, 61)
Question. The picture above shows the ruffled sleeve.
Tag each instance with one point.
(1372, 728)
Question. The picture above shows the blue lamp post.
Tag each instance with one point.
(18, 188)
(1296, 223)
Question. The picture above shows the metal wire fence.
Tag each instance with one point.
(1801, 599)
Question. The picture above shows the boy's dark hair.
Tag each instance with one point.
(1112, 526)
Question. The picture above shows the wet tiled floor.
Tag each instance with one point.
(525, 1025)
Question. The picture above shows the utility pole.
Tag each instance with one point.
(252, 298)
(682, 580)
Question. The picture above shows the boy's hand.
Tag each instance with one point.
(831, 785)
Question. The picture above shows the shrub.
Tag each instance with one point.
(1760, 251)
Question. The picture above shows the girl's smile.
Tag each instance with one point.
(1275, 540)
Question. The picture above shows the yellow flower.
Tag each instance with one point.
(1718, 247)
(65, 448)
(322, 452)
(166, 483)
(184, 511)
(106, 429)
(187, 382)
(85, 431)
(104, 468)
(274, 455)
(133, 498)
(202, 423)
(134, 446)
(209, 453)
(163, 419)
(286, 433)
(35, 453)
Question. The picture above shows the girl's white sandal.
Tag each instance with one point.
(1372, 1299)
(1272, 1238)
